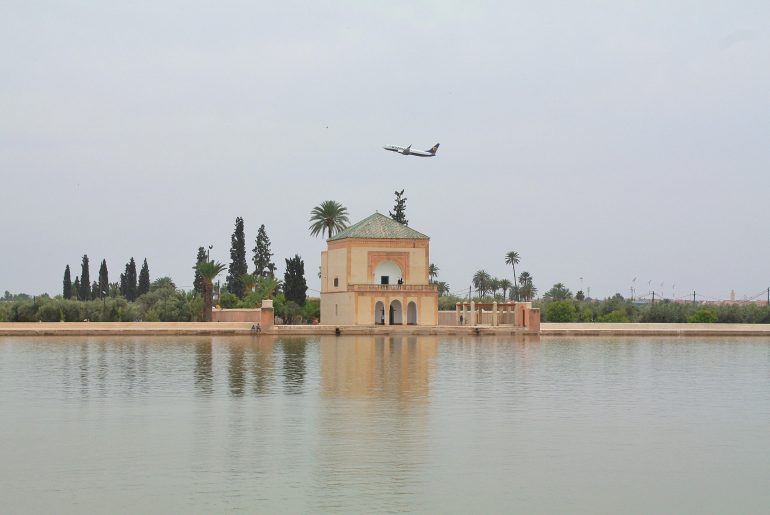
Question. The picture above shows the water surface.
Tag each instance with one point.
(379, 424)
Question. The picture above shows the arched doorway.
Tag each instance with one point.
(379, 313)
(396, 313)
(411, 313)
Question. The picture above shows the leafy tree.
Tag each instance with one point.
(144, 280)
(294, 283)
(67, 288)
(128, 281)
(198, 282)
(329, 217)
(558, 292)
(237, 260)
(95, 293)
(432, 272)
(262, 255)
(104, 281)
(580, 295)
(560, 311)
(208, 270)
(512, 258)
(399, 209)
(85, 281)
(76, 287)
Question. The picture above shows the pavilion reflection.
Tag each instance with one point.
(399, 366)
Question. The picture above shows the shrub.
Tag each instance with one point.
(228, 300)
(617, 316)
(703, 316)
(560, 311)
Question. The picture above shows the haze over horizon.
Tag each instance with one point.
(599, 140)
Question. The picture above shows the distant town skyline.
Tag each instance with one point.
(602, 142)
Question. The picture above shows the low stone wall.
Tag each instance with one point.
(263, 316)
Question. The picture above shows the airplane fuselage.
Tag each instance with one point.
(408, 151)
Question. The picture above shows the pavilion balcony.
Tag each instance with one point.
(392, 287)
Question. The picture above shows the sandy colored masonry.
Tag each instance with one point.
(236, 328)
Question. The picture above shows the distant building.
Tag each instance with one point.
(376, 272)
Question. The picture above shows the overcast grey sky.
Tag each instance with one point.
(604, 140)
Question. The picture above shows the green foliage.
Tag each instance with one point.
(448, 302)
(432, 273)
(67, 286)
(329, 217)
(294, 283)
(703, 316)
(128, 281)
(442, 287)
(143, 286)
(279, 305)
(267, 286)
(616, 316)
(84, 293)
(560, 311)
(76, 288)
(526, 289)
(512, 258)
(292, 310)
(558, 292)
(263, 264)
(311, 310)
(580, 295)
(104, 280)
(162, 282)
(399, 209)
(481, 280)
(237, 260)
(228, 300)
(198, 281)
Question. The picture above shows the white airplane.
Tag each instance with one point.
(407, 151)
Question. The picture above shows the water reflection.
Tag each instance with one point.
(294, 363)
(377, 366)
(204, 372)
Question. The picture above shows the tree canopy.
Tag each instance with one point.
(399, 209)
(329, 217)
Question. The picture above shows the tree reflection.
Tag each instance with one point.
(204, 375)
(293, 364)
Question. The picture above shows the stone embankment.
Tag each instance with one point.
(580, 329)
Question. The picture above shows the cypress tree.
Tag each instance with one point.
(67, 290)
(128, 281)
(262, 254)
(144, 280)
(123, 285)
(399, 209)
(198, 282)
(85, 280)
(104, 281)
(76, 288)
(294, 283)
(95, 290)
(237, 260)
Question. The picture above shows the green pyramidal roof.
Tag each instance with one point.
(378, 226)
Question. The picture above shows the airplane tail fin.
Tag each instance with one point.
(434, 149)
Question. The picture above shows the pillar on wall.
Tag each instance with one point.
(494, 314)
(457, 314)
(472, 314)
(267, 315)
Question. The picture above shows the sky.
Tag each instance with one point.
(601, 140)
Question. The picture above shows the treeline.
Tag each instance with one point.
(559, 305)
(130, 287)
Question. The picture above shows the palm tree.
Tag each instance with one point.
(249, 282)
(330, 217)
(268, 285)
(512, 258)
(432, 272)
(494, 285)
(505, 285)
(442, 287)
(526, 288)
(481, 281)
(208, 271)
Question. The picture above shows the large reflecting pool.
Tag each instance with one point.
(378, 424)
